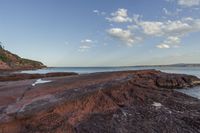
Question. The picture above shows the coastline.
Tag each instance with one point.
(94, 102)
(23, 76)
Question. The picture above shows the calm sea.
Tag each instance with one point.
(194, 92)
(82, 70)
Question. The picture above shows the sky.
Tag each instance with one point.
(102, 32)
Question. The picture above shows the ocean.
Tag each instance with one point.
(83, 70)
(194, 92)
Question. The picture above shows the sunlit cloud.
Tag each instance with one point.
(189, 3)
(171, 30)
(123, 35)
(120, 16)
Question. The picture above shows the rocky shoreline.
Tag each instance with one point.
(111, 102)
(23, 76)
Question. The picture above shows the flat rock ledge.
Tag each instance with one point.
(23, 76)
(111, 102)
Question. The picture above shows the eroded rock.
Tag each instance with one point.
(113, 102)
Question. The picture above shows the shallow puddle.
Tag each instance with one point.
(40, 81)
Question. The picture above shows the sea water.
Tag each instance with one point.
(82, 70)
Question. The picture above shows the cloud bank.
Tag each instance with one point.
(137, 29)
(188, 3)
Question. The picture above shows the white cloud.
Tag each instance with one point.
(86, 44)
(189, 3)
(171, 41)
(86, 41)
(166, 28)
(120, 16)
(178, 27)
(99, 12)
(186, 3)
(152, 28)
(163, 46)
(171, 30)
(136, 17)
(124, 35)
(133, 27)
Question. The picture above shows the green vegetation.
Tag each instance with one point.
(16, 62)
(4, 58)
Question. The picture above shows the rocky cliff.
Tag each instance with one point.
(10, 61)
(113, 102)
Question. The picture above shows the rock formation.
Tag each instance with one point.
(112, 102)
(23, 76)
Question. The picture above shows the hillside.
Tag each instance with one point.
(10, 61)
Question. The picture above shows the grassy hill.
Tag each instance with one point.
(10, 61)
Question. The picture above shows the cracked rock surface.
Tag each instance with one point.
(110, 102)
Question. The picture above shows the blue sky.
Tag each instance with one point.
(102, 32)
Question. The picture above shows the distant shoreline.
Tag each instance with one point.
(173, 65)
(151, 66)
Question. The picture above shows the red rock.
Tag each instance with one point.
(21, 76)
(100, 102)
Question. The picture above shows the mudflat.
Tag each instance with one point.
(109, 102)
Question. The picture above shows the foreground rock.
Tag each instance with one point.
(114, 102)
(22, 76)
